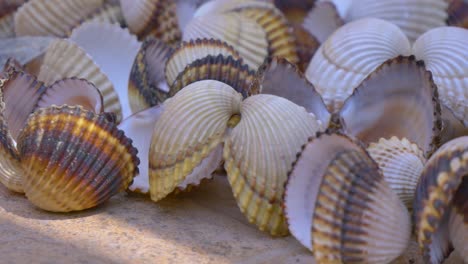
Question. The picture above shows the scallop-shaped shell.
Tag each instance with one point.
(220, 68)
(139, 128)
(7, 9)
(294, 10)
(322, 20)
(445, 55)
(414, 17)
(74, 159)
(223, 6)
(244, 34)
(73, 91)
(401, 163)
(23, 49)
(52, 17)
(188, 52)
(258, 155)
(102, 41)
(281, 78)
(452, 127)
(339, 206)
(306, 46)
(397, 99)
(152, 18)
(147, 84)
(350, 54)
(442, 186)
(458, 13)
(188, 138)
(109, 13)
(64, 59)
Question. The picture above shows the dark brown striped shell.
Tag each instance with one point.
(74, 159)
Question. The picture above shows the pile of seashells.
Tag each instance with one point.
(340, 122)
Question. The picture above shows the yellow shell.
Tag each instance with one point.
(74, 159)
(258, 155)
(187, 142)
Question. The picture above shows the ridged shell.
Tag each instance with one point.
(19, 95)
(258, 155)
(74, 159)
(223, 6)
(458, 13)
(281, 78)
(7, 23)
(397, 99)
(188, 52)
(322, 20)
(445, 55)
(139, 128)
(147, 84)
(401, 163)
(187, 141)
(339, 206)
(220, 68)
(107, 13)
(443, 176)
(23, 49)
(452, 127)
(52, 17)
(64, 59)
(103, 41)
(73, 91)
(306, 46)
(294, 10)
(244, 34)
(350, 54)
(155, 18)
(414, 17)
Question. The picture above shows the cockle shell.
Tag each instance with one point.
(147, 84)
(306, 46)
(441, 202)
(220, 68)
(103, 41)
(223, 6)
(23, 49)
(458, 13)
(294, 10)
(155, 18)
(7, 9)
(243, 34)
(188, 52)
(397, 99)
(64, 59)
(258, 155)
(339, 206)
(187, 142)
(350, 54)
(74, 159)
(108, 13)
(322, 21)
(401, 163)
(52, 17)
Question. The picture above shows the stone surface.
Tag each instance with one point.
(203, 226)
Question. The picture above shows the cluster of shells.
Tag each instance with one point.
(340, 122)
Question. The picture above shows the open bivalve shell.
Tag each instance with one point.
(102, 41)
(339, 206)
(440, 207)
(74, 159)
(64, 59)
(147, 83)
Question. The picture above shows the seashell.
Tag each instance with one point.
(7, 9)
(294, 10)
(440, 202)
(451, 126)
(444, 53)
(306, 46)
(458, 13)
(401, 163)
(139, 128)
(147, 84)
(339, 206)
(397, 99)
(350, 54)
(224, 6)
(74, 159)
(281, 78)
(245, 35)
(414, 17)
(220, 68)
(20, 93)
(187, 141)
(322, 21)
(155, 18)
(52, 17)
(258, 154)
(23, 49)
(102, 41)
(73, 91)
(188, 52)
(64, 59)
(108, 13)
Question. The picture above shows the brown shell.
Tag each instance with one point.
(74, 159)
(294, 10)
(306, 45)
(147, 75)
(458, 13)
(222, 68)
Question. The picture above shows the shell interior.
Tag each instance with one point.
(322, 20)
